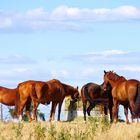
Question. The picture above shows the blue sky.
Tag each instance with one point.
(70, 40)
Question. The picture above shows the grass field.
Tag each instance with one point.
(93, 129)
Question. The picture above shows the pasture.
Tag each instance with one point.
(93, 129)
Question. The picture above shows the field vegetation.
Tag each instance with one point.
(94, 129)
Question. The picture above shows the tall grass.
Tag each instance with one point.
(94, 129)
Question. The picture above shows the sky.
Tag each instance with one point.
(70, 40)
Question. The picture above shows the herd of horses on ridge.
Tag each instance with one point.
(114, 91)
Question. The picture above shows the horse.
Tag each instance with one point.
(95, 95)
(125, 92)
(25, 96)
(7, 96)
(56, 93)
(44, 92)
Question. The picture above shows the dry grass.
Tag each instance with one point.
(121, 131)
(93, 129)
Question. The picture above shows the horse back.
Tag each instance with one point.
(125, 90)
(7, 96)
(91, 91)
(25, 88)
(55, 90)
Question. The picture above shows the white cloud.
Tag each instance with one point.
(127, 12)
(100, 14)
(5, 23)
(64, 17)
(110, 57)
(38, 13)
(134, 68)
(59, 74)
(107, 53)
(14, 72)
(16, 59)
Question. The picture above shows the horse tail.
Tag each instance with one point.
(82, 94)
(87, 96)
(37, 95)
(16, 113)
(137, 102)
(33, 93)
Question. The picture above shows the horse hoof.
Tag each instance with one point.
(85, 122)
(115, 121)
(30, 120)
(53, 121)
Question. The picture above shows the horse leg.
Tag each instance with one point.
(84, 110)
(126, 113)
(110, 111)
(28, 104)
(89, 109)
(35, 105)
(101, 109)
(115, 110)
(105, 110)
(54, 104)
(59, 110)
(132, 109)
(20, 110)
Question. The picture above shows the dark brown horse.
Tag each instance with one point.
(95, 95)
(125, 92)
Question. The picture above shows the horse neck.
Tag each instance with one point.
(68, 90)
(114, 82)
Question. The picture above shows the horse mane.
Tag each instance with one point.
(67, 87)
(113, 76)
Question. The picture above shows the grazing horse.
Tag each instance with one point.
(95, 95)
(56, 92)
(125, 92)
(44, 92)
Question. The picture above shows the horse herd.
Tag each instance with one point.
(115, 90)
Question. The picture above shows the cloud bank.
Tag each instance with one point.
(75, 70)
(64, 18)
(111, 57)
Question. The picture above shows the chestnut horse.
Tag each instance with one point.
(25, 96)
(125, 92)
(7, 96)
(95, 95)
(44, 92)
(56, 92)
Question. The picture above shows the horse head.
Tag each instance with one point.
(108, 77)
(75, 95)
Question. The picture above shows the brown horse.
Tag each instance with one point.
(95, 95)
(7, 96)
(44, 92)
(125, 92)
(56, 92)
(25, 94)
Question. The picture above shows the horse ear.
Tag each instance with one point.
(104, 72)
(77, 87)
